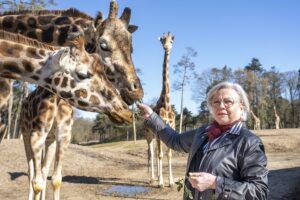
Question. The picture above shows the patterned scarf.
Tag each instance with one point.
(215, 130)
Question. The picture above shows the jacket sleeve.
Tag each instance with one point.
(174, 140)
(253, 172)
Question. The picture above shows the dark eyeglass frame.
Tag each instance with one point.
(227, 102)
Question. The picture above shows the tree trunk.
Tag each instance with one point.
(24, 94)
(10, 105)
(133, 124)
(181, 111)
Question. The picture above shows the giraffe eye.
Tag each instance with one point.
(104, 46)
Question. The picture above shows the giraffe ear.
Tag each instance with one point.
(99, 19)
(132, 28)
(125, 17)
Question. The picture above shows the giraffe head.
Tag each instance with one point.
(90, 89)
(167, 41)
(114, 44)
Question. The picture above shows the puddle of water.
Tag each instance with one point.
(126, 190)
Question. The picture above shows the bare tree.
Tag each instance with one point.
(290, 80)
(185, 70)
(207, 79)
(24, 94)
(15, 5)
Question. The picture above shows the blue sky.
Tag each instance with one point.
(223, 32)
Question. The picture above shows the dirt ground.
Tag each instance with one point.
(90, 171)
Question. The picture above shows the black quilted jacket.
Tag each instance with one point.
(238, 161)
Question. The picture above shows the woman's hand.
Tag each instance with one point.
(202, 181)
(146, 110)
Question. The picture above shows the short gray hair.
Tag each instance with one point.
(236, 87)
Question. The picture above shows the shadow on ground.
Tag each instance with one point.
(284, 184)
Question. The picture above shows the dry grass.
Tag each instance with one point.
(90, 170)
(282, 140)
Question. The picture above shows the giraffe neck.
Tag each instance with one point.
(253, 115)
(28, 63)
(165, 93)
(275, 111)
(52, 27)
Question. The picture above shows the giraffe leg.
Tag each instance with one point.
(151, 158)
(63, 138)
(3, 131)
(63, 141)
(171, 179)
(160, 166)
(37, 141)
(29, 157)
(50, 147)
(149, 136)
(157, 160)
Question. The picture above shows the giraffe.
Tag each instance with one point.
(256, 121)
(164, 109)
(5, 92)
(70, 72)
(63, 111)
(110, 38)
(46, 121)
(277, 119)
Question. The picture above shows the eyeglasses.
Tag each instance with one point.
(228, 102)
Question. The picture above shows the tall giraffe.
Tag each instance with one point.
(111, 38)
(256, 121)
(277, 119)
(63, 113)
(70, 72)
(164, 109)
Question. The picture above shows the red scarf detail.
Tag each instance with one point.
(216, 130)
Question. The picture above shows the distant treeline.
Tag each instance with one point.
(266, 89)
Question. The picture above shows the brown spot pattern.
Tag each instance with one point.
(64, 82)
(81, 93)
(27, 66)
(72, 83)
(56, 81)
(33, 53)
(83, 104)
(65, 94)
(12, 67)
(94, 100)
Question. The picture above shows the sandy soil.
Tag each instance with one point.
(89, 172)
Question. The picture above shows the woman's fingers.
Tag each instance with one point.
(194, 174)
(147, 111)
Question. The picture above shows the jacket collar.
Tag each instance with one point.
(227, 138)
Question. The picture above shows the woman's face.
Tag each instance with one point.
(226, 106)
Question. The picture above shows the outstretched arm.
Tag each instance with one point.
(174, 140)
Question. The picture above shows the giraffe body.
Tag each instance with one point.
(60, 134)
(164, 109)
(277, 119)
(256, 121)
(110, 38)
(46, 120)
(5, 92)
(40, 64)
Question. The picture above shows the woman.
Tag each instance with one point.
(226, 160)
